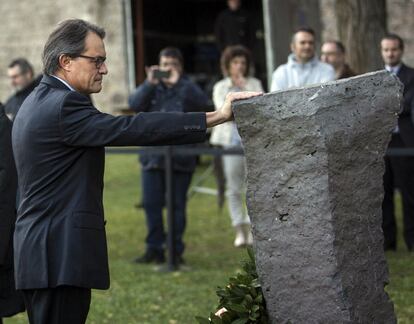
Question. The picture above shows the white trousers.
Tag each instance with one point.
(235, 173)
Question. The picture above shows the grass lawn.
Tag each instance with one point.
(138, 294)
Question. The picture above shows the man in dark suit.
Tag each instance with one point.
(399, 170)
(58, 142)
(11, 301)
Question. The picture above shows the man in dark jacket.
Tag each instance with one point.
(175, 93)
(234, 27)
(20, 73)
(399, 170)
(333, 53)
(11, 301)
(58, 142)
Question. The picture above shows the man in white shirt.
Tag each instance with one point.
(303, 66)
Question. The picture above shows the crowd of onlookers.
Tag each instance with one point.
(176, 92)
(168, 89)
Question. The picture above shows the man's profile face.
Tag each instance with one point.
(303, 46)
(19, 80)
(84, 75)
(391, 52)
(332, 55)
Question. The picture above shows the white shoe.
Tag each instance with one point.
(240, 240)
(248, 234)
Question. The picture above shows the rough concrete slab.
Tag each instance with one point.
(315, 166)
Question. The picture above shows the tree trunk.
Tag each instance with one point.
(361, 25)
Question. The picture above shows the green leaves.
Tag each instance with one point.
(242, 297)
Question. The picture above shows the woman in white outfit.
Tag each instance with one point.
(235, 65)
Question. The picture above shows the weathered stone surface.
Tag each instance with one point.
(315, 166)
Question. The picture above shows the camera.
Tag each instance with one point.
(159, 74)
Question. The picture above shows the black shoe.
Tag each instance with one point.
(151, 257)
(180, 260)
(390, 246)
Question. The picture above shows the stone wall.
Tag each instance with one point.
(24, 37)
(400, 21)
(400, 13)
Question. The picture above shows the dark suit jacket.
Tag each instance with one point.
(13, 104)
(405, 120)
(8, 184)
(10, 301)
(185, 96)
(58, 141)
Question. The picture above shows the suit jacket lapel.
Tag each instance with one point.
(402, 73)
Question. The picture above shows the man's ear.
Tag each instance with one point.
(65, 62)
(292, 47)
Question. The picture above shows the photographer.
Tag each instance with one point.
(166, 90)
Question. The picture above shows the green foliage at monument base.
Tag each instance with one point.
(242, 298)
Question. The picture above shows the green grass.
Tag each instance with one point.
(139, 294)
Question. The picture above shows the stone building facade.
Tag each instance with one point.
(399, 21)
(26, 25)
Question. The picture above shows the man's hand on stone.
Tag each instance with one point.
(225, 113)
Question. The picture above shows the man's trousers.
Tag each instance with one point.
(399, 173)
(154, 192)
(60, 305)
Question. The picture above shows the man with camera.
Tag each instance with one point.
(166, 89)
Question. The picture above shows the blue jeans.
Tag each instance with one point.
(154, 193)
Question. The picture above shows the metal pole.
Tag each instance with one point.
(129, 44)
(169, 184)
(269, 39)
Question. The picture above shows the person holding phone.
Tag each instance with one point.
(235, 65)
(166, 89)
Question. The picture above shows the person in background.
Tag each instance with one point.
(172, 93)
(234, 27)
(11, 301)
(303, 66)
(333, 53)
(21, 76)
(235, 64)
(399, 170)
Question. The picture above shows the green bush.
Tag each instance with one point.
(242, 297)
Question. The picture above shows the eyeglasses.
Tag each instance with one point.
(99, 60)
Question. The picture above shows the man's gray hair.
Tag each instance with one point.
(68, 38)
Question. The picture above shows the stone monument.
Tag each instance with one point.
(315, 166)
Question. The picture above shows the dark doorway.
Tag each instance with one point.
(189, 25)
